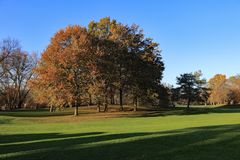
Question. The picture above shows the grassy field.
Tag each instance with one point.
(202, 133)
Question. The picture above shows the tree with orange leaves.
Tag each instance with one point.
(233, 85)
(64, 68)
(219, 90)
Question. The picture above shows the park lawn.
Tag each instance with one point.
(199, 134)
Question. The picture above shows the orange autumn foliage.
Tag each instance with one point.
(64, 68)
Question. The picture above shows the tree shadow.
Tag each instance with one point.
(141, 113)
(191, 111)
(5, 121)
(36, 113)
(213, 142)
(229, 107)
(4, 139)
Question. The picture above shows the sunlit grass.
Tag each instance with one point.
(167, 134)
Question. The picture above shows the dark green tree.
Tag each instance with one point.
(203, 90)
(127, 61)
(191, 87)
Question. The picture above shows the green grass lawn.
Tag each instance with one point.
(199, 134)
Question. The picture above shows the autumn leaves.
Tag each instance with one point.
(107, 60)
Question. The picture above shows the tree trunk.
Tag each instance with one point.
(90, 99)
(20, 104)
(135, 104)
(112, 99)
(105, 107)
(121, 89)
(105, 104)
(121, 99)
(188, 103)
(76, 108)
(98, 106)
(51, 108)
(76, 111)
(21, 99)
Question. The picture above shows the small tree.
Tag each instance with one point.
(191, 87)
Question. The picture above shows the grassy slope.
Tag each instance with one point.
(177, 135)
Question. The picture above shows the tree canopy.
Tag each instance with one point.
(100, 61)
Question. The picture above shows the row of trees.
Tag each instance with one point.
(218, 90)
(99, 63)
(224, 90)
(107, 62)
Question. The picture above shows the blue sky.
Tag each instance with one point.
(193, 34)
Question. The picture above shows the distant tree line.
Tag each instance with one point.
(223, 90)
(219, 90)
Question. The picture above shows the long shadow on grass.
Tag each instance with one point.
(5, 121)
(150, 113)
(40, 113)
(215, 142)
(6, 139)
(34, 113)
(191, 111)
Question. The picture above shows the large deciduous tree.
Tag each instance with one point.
(16, 71)
(113, 55)
(65, 67)
(127, 61)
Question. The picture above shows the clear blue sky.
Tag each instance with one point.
(193, 34)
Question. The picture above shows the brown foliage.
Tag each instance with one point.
(63, 71)
(219, 91)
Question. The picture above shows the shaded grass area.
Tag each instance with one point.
(215, 142)
(35, 113)
(145, 112)
(173, 134)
